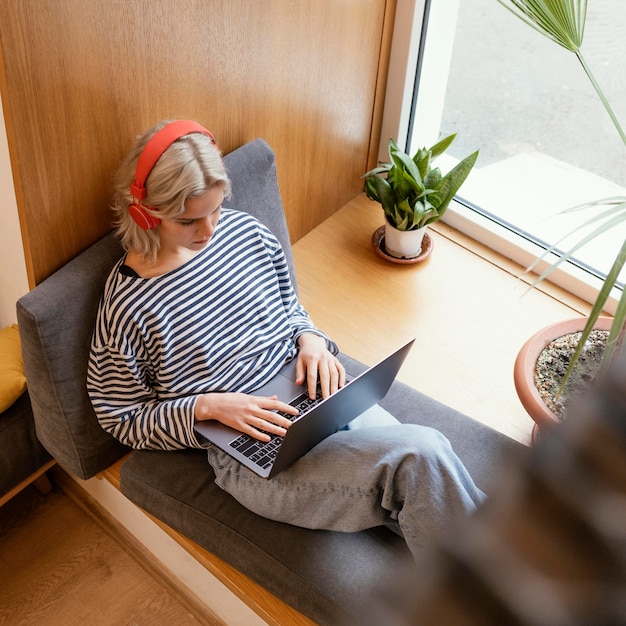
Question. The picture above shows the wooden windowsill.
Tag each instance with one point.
(465, 305)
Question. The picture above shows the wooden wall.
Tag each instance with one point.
(80, 79)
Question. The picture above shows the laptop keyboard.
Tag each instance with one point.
(263, 453)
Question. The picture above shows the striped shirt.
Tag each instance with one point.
(227, 320)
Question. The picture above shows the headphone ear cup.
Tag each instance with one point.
(143, 219)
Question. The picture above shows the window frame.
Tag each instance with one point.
(423, 39)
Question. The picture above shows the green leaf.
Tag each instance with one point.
(453, 180)
(382, 169)
(598, 306)
(401, 221)
(422, 159)
(441, 146)
(397, 182)
(383, 192)
(562, 21)
(393, 147)
(371, 191)
(616, 335)
(433, 179)
(617, 219)
(405, 163)
(616, 204)
(408, 185)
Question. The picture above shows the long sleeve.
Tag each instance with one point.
(129, 408)
(225, 321)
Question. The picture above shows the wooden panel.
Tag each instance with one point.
(81, 78)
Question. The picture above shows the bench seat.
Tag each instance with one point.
(327, 576)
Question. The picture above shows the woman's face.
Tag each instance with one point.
(193, 228)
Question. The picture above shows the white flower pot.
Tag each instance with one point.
(403, 244)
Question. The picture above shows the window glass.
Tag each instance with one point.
(546, 141)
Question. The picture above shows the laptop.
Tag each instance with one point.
(317, 419)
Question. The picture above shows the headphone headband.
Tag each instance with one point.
(148, 158)
(154, 149)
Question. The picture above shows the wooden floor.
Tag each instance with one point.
(59, 567)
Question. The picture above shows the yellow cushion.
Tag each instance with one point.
(12, 379)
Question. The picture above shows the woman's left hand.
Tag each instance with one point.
(315, 361)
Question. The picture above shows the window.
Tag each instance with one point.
(546, 142)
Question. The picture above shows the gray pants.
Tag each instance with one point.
(377, 472)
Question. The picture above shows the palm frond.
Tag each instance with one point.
(617, 213)
(618, 321)
(562, 21)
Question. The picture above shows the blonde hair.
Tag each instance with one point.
(187, 169)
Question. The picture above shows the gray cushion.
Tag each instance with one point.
(325, 575)
(328, 576)
(21, 454)
(57, 318)
(56, 321)
(252, 171)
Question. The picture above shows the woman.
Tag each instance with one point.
(200, 312)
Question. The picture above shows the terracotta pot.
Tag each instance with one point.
(524, 369)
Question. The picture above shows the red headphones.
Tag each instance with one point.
(151, 153)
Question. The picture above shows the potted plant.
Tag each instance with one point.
(413, 194)
(563, 21)
(543, 361)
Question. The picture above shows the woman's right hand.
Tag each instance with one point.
(254, 415)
